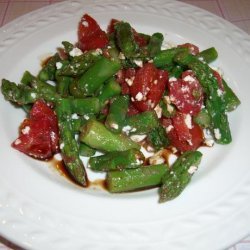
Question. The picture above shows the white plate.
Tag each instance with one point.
(40, 209)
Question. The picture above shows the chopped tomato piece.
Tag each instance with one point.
(182, 137)
(111, 26)
(193, 49)
(126, 77)
(186, 93)
(148, 87)
(90, 35)
(39, 136)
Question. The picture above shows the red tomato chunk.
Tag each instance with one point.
(148, 87)
(39, 136)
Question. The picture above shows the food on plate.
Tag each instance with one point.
(118, 97)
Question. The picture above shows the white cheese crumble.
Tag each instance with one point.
(171, 79)
(17, 141)
(188, 78)
(75, 52)
(219, 92)
(146, 153)
(192, 169)
(59, 65)
(139, 63)
(85, 23)
(158, 111)
(169, 128)
(26, 130)
(114, 126)
(129, 81)
(61, 146)
(97, 52)
(121, 56)
(156, 159)
(33, 95)
(137, 138)
(74, 116)
(139, 96)
(58, 157)
(86, 117)
(126, 129)
(217, 133)
(188, 121)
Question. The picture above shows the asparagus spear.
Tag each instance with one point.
(117, 160)
(97, 74)
(97, 136)
(134, 179)
(68, 145)
(176, 179)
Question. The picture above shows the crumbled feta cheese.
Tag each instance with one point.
(97, 52)
(75, 52)
(158, 111)
(171, 79)
(114, 126)
(121, 56)
(138, 138)
(166, 99)
(17, 141)
(126, 129)
(217, 134)
(188, 121)
(155, 82)
(139, 63)
(139, 96)
(146, 153)
(192, 169)
(85, 23)
(26, 130)
(209, 142)
(170, 108)
(219, 92)
(59, 65)
(33, 95)
(61, 146)
(58, 157)
(74, 116)
(188, 78)
(171, 159)
(169, 128)
(86, 117)
(129, 81)
(156, 159)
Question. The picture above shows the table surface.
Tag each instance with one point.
(235, 11)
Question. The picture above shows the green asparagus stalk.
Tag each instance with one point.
(117, 160)
(177, 178)
(135, 179)
(125, 39)
(97, 136)
(97, 74)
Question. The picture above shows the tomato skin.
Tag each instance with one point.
(186, 93)
(193, 49)
(39, 136)
(148, 87)
(125, 77)
(180, 136)
(90, 35)
(132, 110)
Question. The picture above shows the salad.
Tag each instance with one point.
(119, 98)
